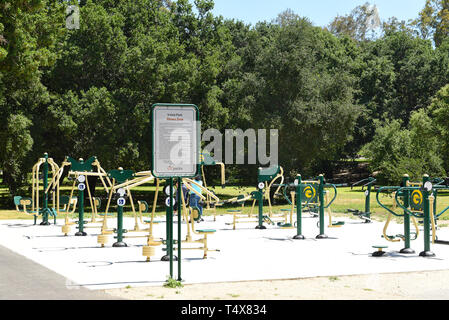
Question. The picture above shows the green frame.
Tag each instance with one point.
(198, 165)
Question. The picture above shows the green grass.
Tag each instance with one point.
(346, 199)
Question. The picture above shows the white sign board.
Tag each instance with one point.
(175, 141)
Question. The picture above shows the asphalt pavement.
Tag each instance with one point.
(23, 279)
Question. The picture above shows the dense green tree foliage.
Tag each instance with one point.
(331, 92)
(29, 35)
(440, 111)
(414, 150)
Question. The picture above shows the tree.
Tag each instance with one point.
(440, 112)
(29, 35)
(395, 151)
(129, 55)
(433, 21)
(394, 25)
(398, 74)
(15, 143)
(300, 83)
(357, 24)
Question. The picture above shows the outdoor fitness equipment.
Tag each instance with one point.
(150, 249)
(239, 217)
(80, 171)
(310, 198)
(327, 207)
(266, 178)
(288, 213)
(364, 215)
(207, 160)
(418, 201)
(30, 206)
(237, 214)
(423, 197)
(123, 182)
(308, 190)
(190, 217)
(439, 183)
(406, 197)
(302, 194)
(120, 177)
(140, 178)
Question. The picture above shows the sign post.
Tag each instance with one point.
(175, 149)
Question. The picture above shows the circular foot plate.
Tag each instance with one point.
(379, 254)
(119, 245)
(80, 234)
(427, 254)
(167, 258)
(407, 251)
(322, 236)
(261, 227)
(300, 237)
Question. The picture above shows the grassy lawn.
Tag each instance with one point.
(346, 199)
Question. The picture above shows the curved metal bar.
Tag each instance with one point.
(335, 194)
(285, 186)
(436, 189)
(384, 231)
(359, 182)
(401, 206)
(189, 182)
(382, 205)
(372, 182)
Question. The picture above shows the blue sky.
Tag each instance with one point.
(320, 12)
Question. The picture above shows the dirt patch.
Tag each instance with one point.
(415, 286)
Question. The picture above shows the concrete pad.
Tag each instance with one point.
(245, 254)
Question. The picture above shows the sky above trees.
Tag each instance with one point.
(320, 12)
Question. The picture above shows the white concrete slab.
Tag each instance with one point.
(245, 254)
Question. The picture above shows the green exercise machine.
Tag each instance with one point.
(368, 184)
(31, 206)
(416, 200)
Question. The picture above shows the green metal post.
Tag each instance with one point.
(119, 243)
(322, 235)
(179, 227)
(166, 257)
(368, 203)
(258, 195)
(45, 202)
(170, 252)
(407, 249)
(169, 231)
(299, 235)
(81, 232)
(426, 193)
